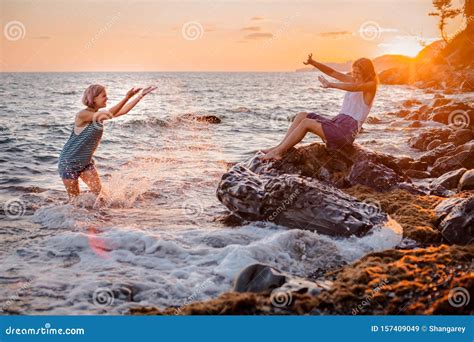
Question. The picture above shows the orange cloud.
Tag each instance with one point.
(261, 35)
(335, 34)
(251, 28)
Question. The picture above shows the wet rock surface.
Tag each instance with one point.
(455, 220)
(255, 190)
(263, 278)
(467, 181)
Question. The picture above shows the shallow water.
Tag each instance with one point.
(157, 241)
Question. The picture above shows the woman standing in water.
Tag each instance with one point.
(75, 160)
(341, 130)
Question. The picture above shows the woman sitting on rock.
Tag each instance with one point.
(341, 130)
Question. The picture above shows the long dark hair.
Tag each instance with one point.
(367, 69)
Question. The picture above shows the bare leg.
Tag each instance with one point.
(92, 180)
(298, 118)
(72, 187)
(305, 126)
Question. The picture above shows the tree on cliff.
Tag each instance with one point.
(445, 11)
(469, 14)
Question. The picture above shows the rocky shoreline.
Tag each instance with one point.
(349, 192)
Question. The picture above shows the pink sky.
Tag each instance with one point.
(130, 35)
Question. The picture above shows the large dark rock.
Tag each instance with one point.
(283, 193)
(346, 167)
(462, 136)
(258, 278)
(455, 220)
(212, 119)
(376, 176)
(467, 181)
(447, 181)
(459, 114)
(424, 138)
(440, 151)
(445, 164)
(262, 278)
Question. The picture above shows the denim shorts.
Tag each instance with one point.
(341, 130)
(73, 171)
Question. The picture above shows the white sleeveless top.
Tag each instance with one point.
(354, 106)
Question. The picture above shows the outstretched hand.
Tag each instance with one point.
(310, 59)
(148, 90)
(324, 82)
(132, 92)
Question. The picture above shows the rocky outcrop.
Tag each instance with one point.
(256, 191)
(346, 167)
(441, 66)
(447, 150)
(395, 75)
(460, 115)
(211, 119)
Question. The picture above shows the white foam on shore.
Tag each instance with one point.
(170, 268)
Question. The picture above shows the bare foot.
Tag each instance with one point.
(272, 155)
(267, 150)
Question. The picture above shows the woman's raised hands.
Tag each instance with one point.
(324, 82)
(132, 92)
(148, 90)
(310, 59)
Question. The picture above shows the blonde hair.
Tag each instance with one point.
(367, 69)
(90, 93)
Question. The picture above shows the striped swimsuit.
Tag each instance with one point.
(76, 155)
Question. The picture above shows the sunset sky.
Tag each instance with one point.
(245, 35)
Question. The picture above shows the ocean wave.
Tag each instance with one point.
(145, 122)
(67, 92)
(241, 110)
(164, 268)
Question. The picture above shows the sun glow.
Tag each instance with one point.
(407, 46)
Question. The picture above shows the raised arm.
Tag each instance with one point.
(119, 109)
(328, 70)
(116, 109)
(349, 86)
(128, 107)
